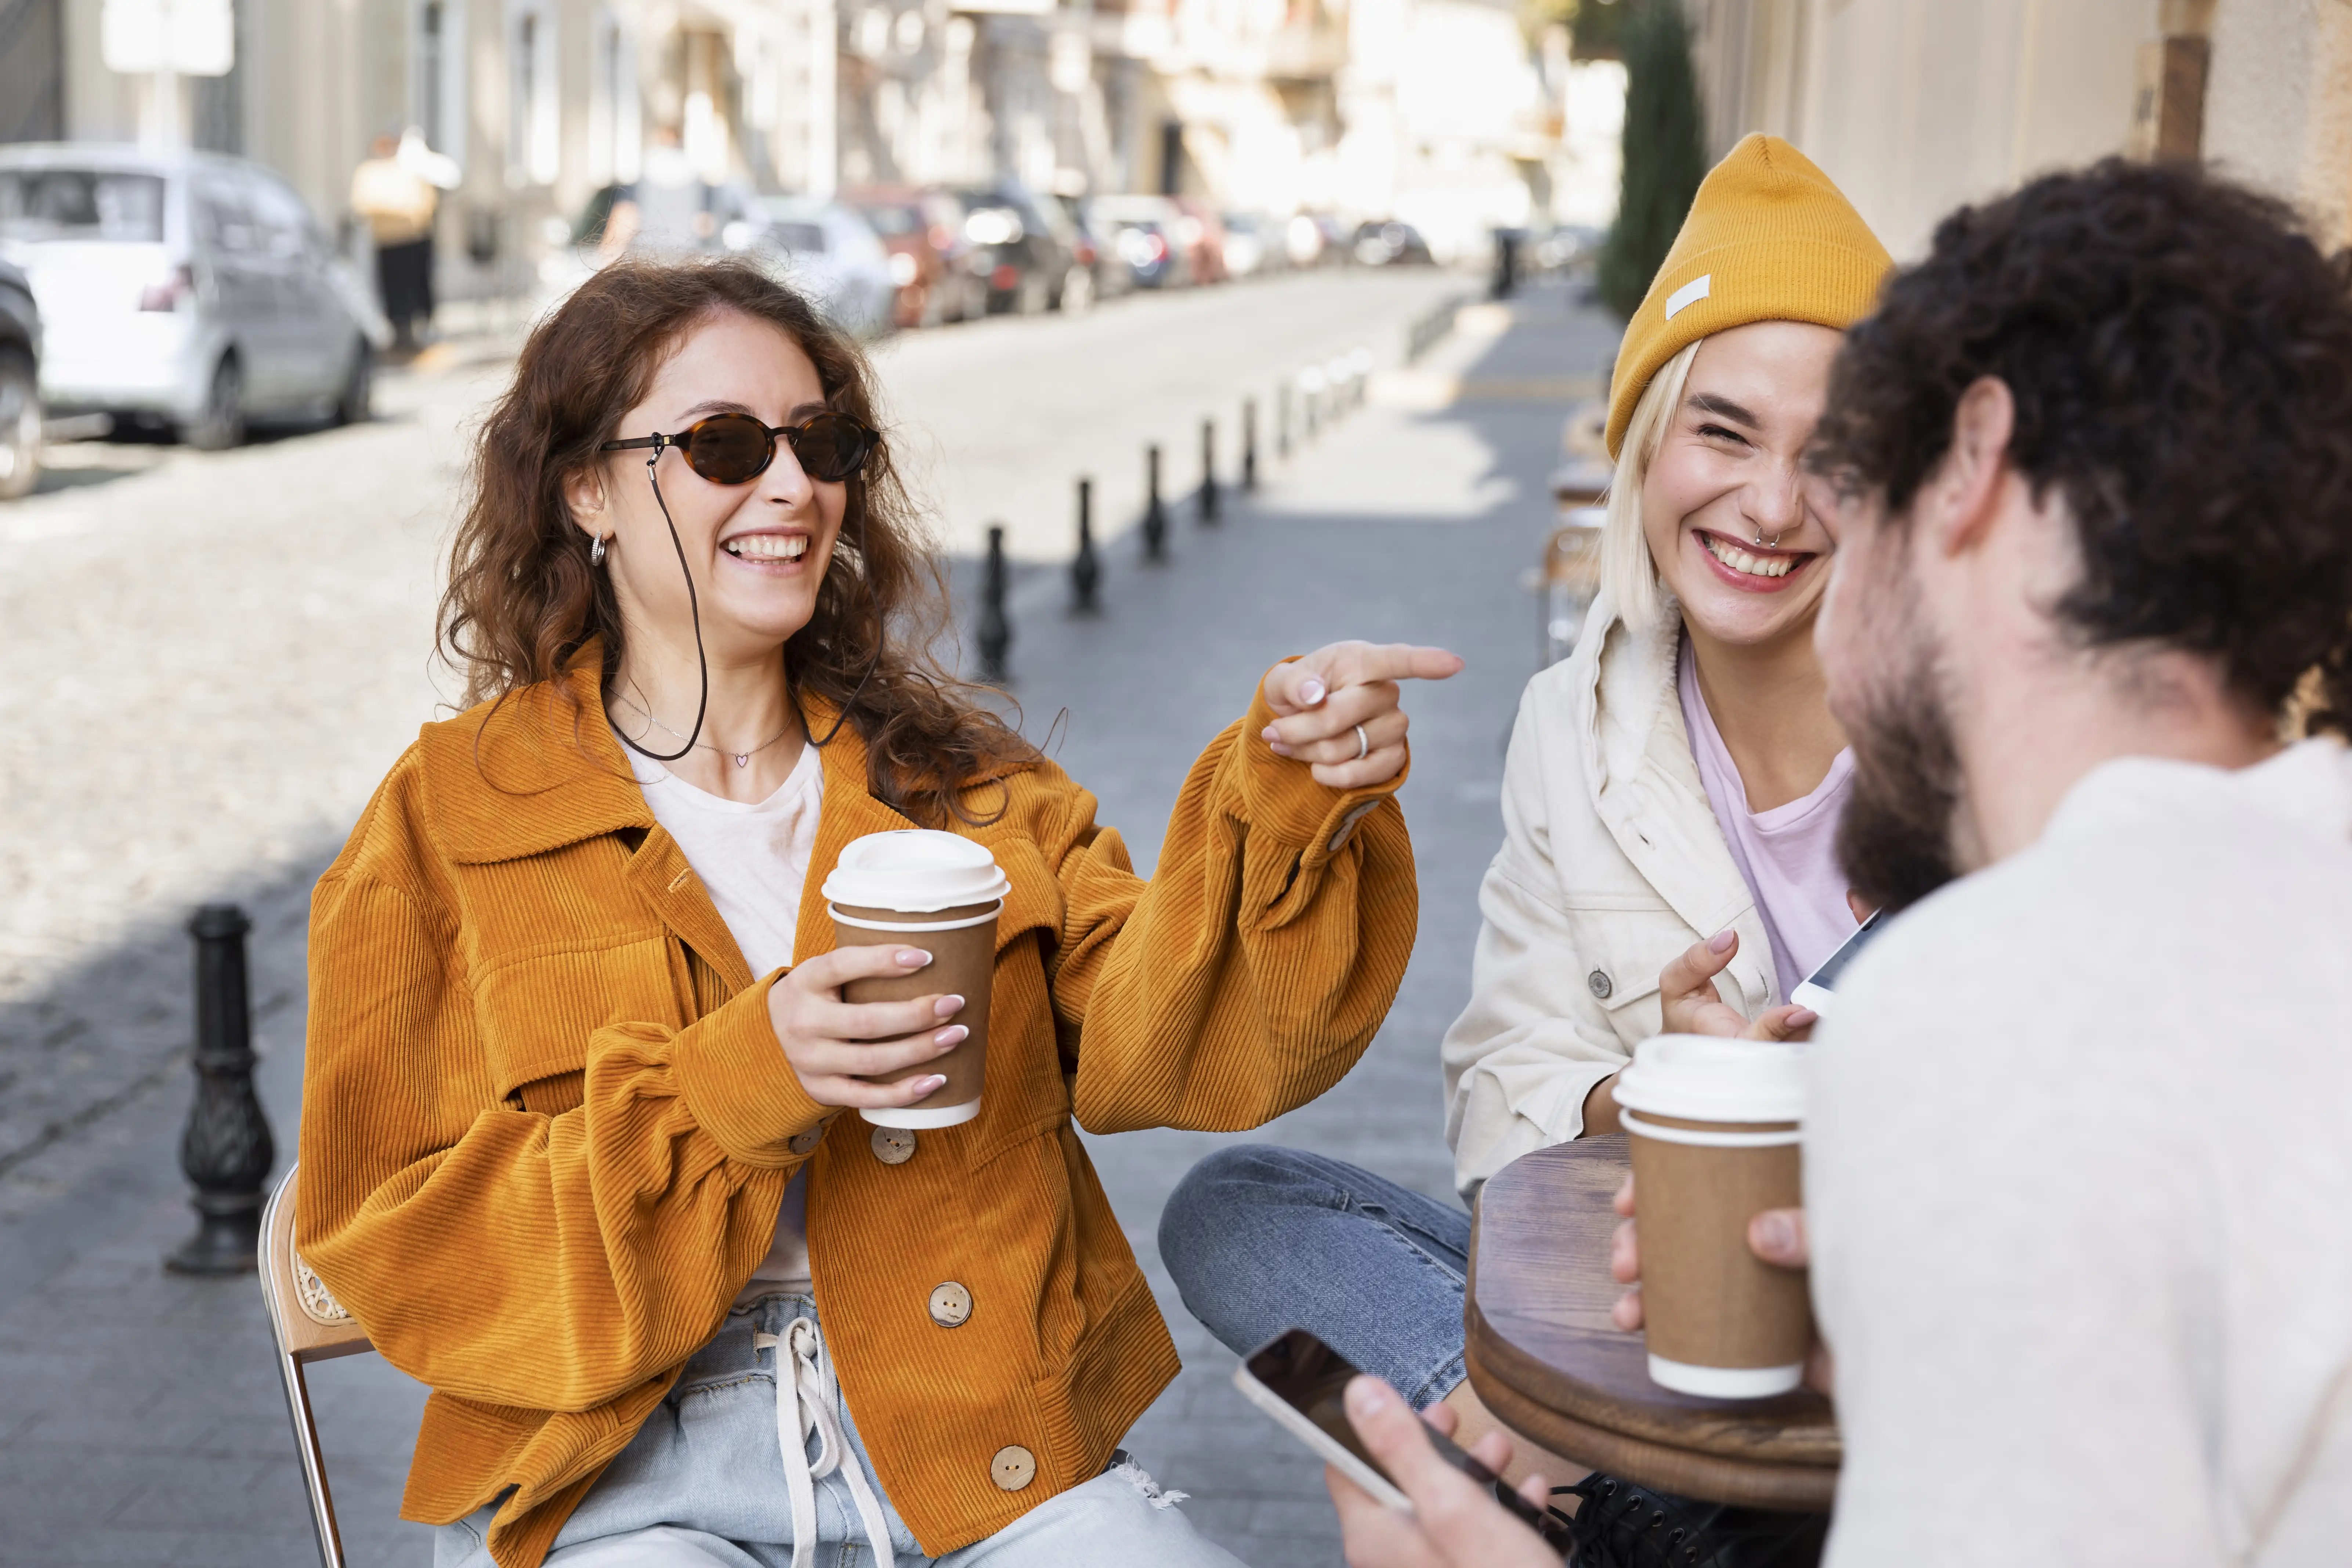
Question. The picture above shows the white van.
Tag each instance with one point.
(186, 288)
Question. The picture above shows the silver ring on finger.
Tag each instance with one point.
(1363, 745)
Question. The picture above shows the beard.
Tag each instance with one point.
(1895, 840)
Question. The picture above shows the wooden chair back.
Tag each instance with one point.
(309, 1325)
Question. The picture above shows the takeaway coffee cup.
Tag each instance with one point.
(941, 893)
(1715, 1127)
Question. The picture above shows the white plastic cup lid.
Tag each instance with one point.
(913, 870)
(1702, 1077)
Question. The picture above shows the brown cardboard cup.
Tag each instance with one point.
(963, 945)
(1716, 1131)
(941, 892)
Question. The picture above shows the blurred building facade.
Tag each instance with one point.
(1917, 106)
(1444, 112)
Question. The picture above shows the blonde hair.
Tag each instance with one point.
(1629, 576)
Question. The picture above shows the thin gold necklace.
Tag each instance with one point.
(742, 759)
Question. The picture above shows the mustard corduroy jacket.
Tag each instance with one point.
(546, 1124)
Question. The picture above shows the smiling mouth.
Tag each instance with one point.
(767, 546)
(1751, 564)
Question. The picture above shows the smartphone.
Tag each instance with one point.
(1298, 1380)
(1815, 990)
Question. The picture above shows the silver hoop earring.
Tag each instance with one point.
(596, 551)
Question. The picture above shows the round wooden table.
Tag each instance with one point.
(1547, 1361)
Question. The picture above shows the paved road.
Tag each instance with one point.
(217, 656)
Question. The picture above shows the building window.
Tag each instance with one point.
(437, 77)
(534, 119)
(615, 116)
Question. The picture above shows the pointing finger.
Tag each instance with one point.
(1361, 662)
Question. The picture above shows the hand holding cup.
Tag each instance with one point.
(835, 1046)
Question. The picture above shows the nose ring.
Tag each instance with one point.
(1762, 545)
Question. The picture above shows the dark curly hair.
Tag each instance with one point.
(522, 597)
(2180, 354)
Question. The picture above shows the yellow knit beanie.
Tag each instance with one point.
(1768, 238)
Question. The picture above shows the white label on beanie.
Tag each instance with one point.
(1690, 293)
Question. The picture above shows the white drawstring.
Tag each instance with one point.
(803, 1407)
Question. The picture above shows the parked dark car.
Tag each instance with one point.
(1145, 237)
(1093, 253)
(1020, 253)
(20, 385)
(923, 232)
(1391, 244)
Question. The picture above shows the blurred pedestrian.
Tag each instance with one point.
(393, 190)
(669, 209)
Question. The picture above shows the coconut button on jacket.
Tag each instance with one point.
(547, 1124)
(1612, 864)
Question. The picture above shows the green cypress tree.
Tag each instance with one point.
(1665, 158)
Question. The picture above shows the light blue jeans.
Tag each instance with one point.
(1260, 1238)
(702, 1485)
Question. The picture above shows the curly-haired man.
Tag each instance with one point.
(2083, 1247)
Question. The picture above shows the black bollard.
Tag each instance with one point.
(1208, 470)
(1282, 421)
(995, 626)
(1249, 444)
(1155, 516)
(1086, 569)
(1507, 263)
(226, 1149)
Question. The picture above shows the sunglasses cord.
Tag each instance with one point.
(693, 605)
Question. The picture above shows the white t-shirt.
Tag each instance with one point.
(2080, 1180)
(1787, 855)
(752, 859)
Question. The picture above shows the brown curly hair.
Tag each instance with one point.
(522, 597)
(2180, 354)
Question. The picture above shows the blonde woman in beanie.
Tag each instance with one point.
(1670, 803)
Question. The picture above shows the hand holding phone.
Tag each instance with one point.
(1302, 1383)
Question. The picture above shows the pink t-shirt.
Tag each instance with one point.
(1787, 855)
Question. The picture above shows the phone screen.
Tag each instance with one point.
(1312, 1379)
(1825, 978)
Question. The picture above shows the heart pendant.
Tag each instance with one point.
(742, 759)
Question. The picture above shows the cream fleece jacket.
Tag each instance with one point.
(2080, 1179)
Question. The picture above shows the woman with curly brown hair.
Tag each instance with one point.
(572, 1142)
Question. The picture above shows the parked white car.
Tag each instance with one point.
(829, 251)
(185, 289)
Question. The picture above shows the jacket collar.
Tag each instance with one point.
(1644, 783)
(542, 769)
(534, 771)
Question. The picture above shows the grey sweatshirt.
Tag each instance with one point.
(2083, 1242)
